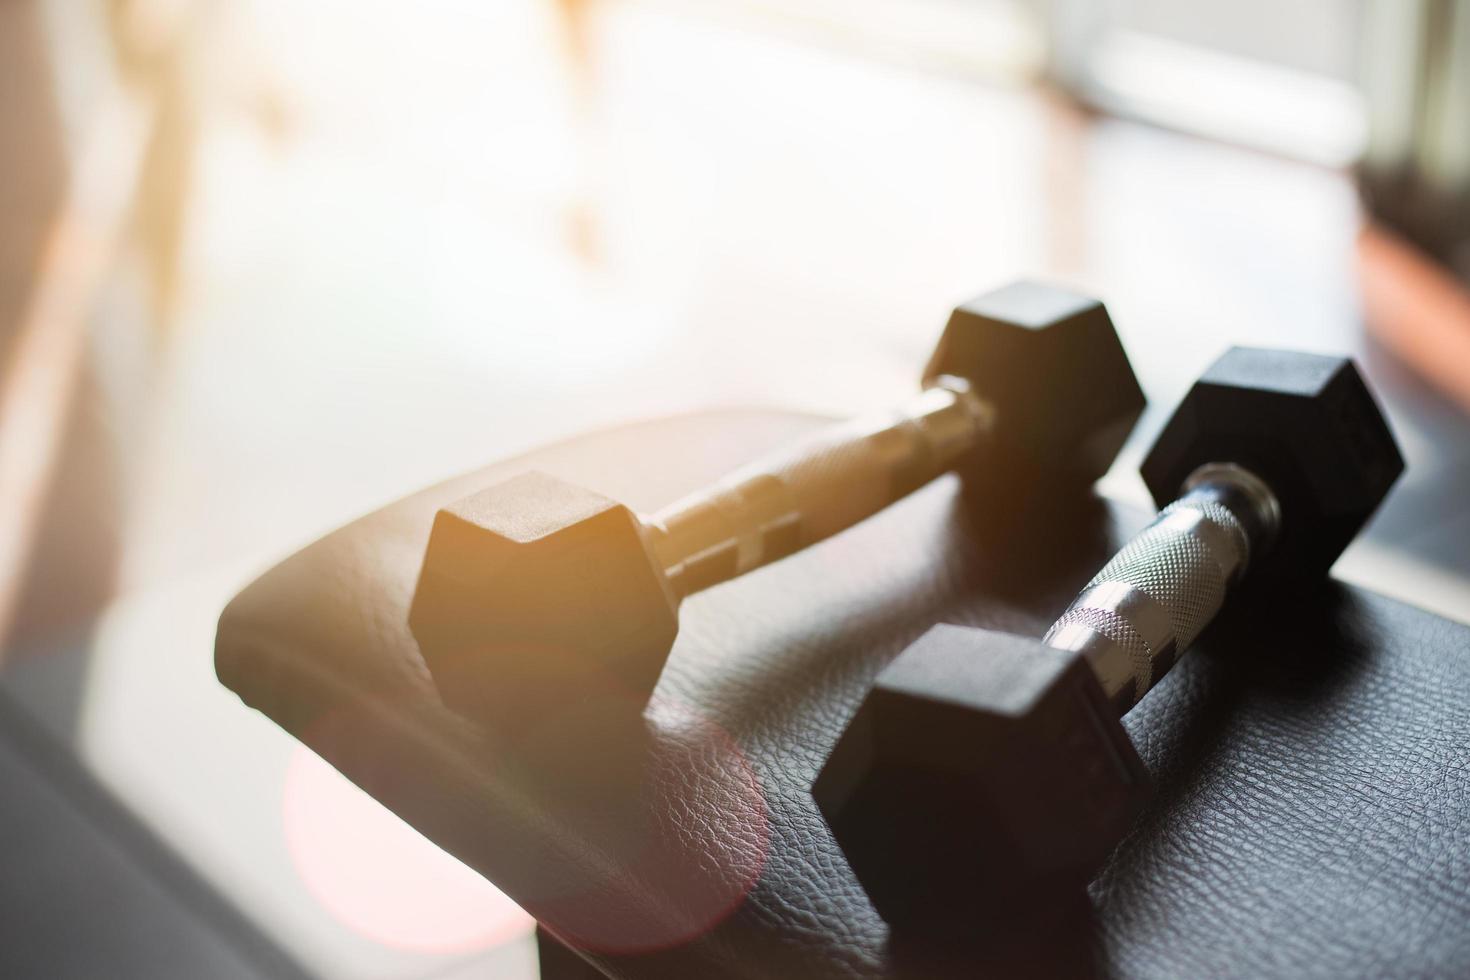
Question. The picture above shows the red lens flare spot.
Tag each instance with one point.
(380, 877)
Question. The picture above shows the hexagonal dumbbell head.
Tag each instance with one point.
(536, 594)
(983, 771)
(1051, 364)
(1305, 424)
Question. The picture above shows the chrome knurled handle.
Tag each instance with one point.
(1149, 603)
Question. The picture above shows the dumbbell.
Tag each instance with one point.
(536, 595)
(986, 772)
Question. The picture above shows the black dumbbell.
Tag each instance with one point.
(986, 771)
(537, 596)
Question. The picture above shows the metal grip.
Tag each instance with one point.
(1154, 597)
(785, 502)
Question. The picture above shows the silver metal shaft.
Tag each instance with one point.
(1149, 603)
(846, 473)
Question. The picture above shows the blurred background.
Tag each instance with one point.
(268, 264)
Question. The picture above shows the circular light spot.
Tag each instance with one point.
(381, 878)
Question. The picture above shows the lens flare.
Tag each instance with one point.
(379, 877)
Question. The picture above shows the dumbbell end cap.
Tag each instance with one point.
(981, 765)
(536, 597)
(1305, 424)
(1051, 365)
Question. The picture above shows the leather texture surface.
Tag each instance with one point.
(1312, 806)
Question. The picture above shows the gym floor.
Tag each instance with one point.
(403, 260)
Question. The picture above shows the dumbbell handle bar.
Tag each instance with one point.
(1147, 605)
(846, 473)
